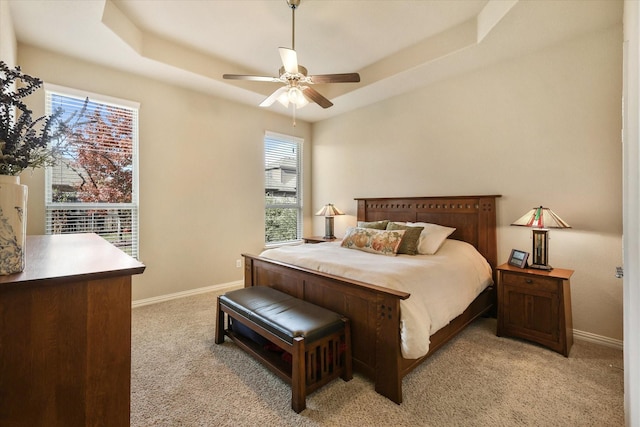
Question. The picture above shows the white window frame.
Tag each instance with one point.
(298, 205)
(133, 206)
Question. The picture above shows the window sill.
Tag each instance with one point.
(278, 245)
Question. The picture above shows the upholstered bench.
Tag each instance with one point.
(318, 340)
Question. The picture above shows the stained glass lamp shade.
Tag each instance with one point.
(541, 219)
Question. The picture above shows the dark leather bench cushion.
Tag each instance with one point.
(281, 314)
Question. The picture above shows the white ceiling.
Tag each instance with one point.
(395, 45)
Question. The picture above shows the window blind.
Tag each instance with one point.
(94, 186)
(283, 188)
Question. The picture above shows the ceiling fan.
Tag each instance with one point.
(295, 78)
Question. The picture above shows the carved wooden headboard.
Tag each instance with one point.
(473, 217)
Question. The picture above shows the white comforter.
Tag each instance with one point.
(441, 285)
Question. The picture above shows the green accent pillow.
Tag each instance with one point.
(378, 225)
(372, 240)
(410, 240)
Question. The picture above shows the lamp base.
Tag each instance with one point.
(328, 228)
(540, 248)
(541, 267)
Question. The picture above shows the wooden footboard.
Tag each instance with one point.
(374, 311)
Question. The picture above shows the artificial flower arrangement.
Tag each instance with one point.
(24, 141)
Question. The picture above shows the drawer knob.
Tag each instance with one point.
(528, 281)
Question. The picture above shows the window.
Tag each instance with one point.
(282, 188)
(94, 188)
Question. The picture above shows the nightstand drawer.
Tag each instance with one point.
(532, 282)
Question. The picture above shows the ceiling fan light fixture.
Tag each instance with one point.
(297, 97)
(294, 96)
(284, 99)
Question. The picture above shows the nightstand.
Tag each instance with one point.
(535, 305)
(317, 239)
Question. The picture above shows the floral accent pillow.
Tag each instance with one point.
(382, 242)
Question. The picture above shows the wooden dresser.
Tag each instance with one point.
(65, 334)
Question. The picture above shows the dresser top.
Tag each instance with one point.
(64, 257)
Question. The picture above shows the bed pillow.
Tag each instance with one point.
(372, 240)
(432, 237)
(378, 225)
(410, 239)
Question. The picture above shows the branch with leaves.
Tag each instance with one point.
(25, 142)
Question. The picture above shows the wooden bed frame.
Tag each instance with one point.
(374, 311)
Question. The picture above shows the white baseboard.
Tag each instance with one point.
(168, 297)
(581, 335)
(598, 339)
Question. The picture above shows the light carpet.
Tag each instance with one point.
(180, 377)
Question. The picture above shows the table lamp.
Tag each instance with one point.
(328, 211)
(541, 219)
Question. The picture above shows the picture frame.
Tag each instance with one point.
(518, 258)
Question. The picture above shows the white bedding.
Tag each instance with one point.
(441, 285)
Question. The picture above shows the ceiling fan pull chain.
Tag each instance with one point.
(293, 104)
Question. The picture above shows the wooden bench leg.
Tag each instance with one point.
(219, 324)
(298, 376)
(347, 369)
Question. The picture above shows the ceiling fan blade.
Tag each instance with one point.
(289, 60)
(315, 96)
(273, 97)
(336, 78)
(252, 78)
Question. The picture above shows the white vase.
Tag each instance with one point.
(13, 224)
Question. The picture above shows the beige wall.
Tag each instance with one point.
(8, 44)
(201, 174)
(540, 129)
